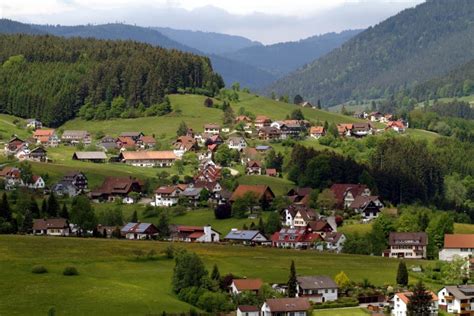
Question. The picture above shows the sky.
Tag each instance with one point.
(267, 21)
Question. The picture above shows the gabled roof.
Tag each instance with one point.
(295, 235)
(362, 201)
(254, 164)
(248, 308)
(405, 296)
(319, 225)
(317, 130)
(167, 189)
(138, 228)
(259, 190)
(461, 292)
(51, 223)
(459, 241)
(74, 133)
(340, 190)
(148, 155)
(418, 238)
(147, 139)
(316, 282)
(212, 126)
(93, 155)
(131, 134)
(283, 305)
(332, 237)
(43, 132)
(247, 284)
(242, 235)
(116, 185)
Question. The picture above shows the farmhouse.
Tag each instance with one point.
(334, 241)
(457, 299)
(240, 285)
(263, 193)
(400, 302)
(125, 143)
(246, 237)
(361, 129)
(114, 187)
(184, 144)
(344, 129)
(133, 135)
(407, 245)
(148, 158)
(253, 167)
(108, 143)
(397, 126)
(146, 142)
(51, 227)
(139, 231)
(38, 154)
(295, 238)
(296, 195)
(368, 206)
(78, 179)
(317, 132)
(14, 145)
(262, 121)
(213, 129)
(46, 137)
(237, 143)
(34, 124)
(91, 156)
(345, 193)
(298, 306)
(167, 196)
(194, 234)
(269, 133)
(457, 245)
(75, 137)
(318, 289)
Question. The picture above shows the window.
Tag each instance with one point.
(464, 249)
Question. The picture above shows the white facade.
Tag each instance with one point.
(337, 246)
(266, 311)
(450, 300)
(253, 313)
(166, 200)
(237, 143)
(57, 232)
(288, 219)
(400, 306)
(448, 254)
(210, 235)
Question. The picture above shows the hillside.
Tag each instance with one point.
(13, 27)
(208, 42)
(283, 58)
(230, 70)
(50, 78)
(397, 53)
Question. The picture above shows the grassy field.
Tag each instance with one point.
(365, 228)
(356, 311)
(8, 128)
(112, 282)
(279, 186)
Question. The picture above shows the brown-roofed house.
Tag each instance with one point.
(147, 142)
(368, 206)
(248, 310)
(457, 245)
(212, 128)
(286, 306)
(92, 156)
(261, 192)
(51, 227)
(346, 193)
(262, 121)
(240, 285)
(254, 167)
(407, 245)
(318, 288)
(114, 187)
(148, 158)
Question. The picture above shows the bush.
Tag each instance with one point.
(69, 271)
(341, 302)
(39, 270)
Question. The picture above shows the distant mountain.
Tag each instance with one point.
(13, 27)
(231, 71)
(283, 58)
(208, 42)
(413, 46)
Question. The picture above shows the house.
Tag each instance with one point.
(139, 231)
(295, 238)
(318, 288)
(38, 154)
(14, 145)
(271, 172)
(334, 241)
(345, 193)
(78, 179)
(115, 187)
(71, 137)
(457, 245)
(192, 195)
(133, 135)
(46, 137)
(51, 227)
(213, 129)
(296, 306)
(146, 142)
(108, 143)
(64, 188)
(407, 245)
(317, 132)
(368, 206)
(262, 149)
(245, 120)
(397, 126)
(400, 303)
(237, 143)
(167, 196)
(11, 177)
(246, 237)
(194, 234)
(290, 128)
(91, 156)
(320, 226)
(37, 183)
(457, 299)
(263, 193)
(375, 116)
(248, 285)
(296, 215)
(125, 143)
(269, 133)
(344, 129)
(248, 310)
(184, 144)
(298, 194)
(361, 129)
(262, 121)
(34, 124)
(253, 167)
(148, 158)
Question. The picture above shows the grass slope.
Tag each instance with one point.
(8, 128)
(350, 311)
(279, 186)
(111, 282)
(366, 228)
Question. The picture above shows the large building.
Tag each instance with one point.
(148, 158)
(407, 245)
(457, 245)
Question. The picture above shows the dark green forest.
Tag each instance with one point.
(50, 78)
(412, 47)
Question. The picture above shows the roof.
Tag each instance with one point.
(258, 189)
(461, 291)
(149, 155)
(316, 130)
(398, 124)
(254, 164)
(51, 223)
(242, 234)
(263, 147)
(418, 238)
(262, 118)
(241, 118)
(115, 185)
(131, 134)
(271, 172)
(316, 282)
(168, 189)
(333, 237)
(137, 227)
(361, 201)
(288, 304)
(340, 189)
(459, 241)
(90, 155)
(212, 126)
(73, 133)
(148, 139)
(248, 308)
(247, 284)
(190, 192)
(319, 225)
(405, 296)
(295, 235)
(43, 132)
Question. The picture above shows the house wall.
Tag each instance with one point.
(407, 252)
(57, 232)
(449, 254)
(166, 201)
(150, 163)
(239, 313)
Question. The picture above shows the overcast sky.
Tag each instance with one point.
(268, 21)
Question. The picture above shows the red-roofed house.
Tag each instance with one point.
(317, 132)
(46, 137)
(295, 238)
(262, 121)
(397, 126)
(194, 234)
(345, 193)
(400, 303)
(146, 142)
(457, 245)
(240, 285)
(261, 192)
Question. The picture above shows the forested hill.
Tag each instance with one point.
(414, 46)
(457, 83)
(50, 78)
(283, 58)
(13, 27)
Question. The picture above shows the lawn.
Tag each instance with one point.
(349, 311)
(111, 282)
(365, 228)
(463, 228)
(279, 186)
(8, 128)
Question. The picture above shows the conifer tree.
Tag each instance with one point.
(261, 226)
(402, 274)
(64, 212)
(215, 274)
(53, 205)
(33, 207)
(420, 301)
(44, 208)
(27, 224)
(134, 217)
(5, 211)
(292, 282)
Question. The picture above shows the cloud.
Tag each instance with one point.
(268, 21)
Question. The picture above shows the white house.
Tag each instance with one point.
(213, 129)
(166, 196)
(246, 237)
(461, 245)
(203, 234)
(334, 241)
(248, 310)
(318, 289)
(248, 285)
(296, 306)
(400, 302)
(237, 143)
(457, 299)
(407, 245)
(51, 227)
